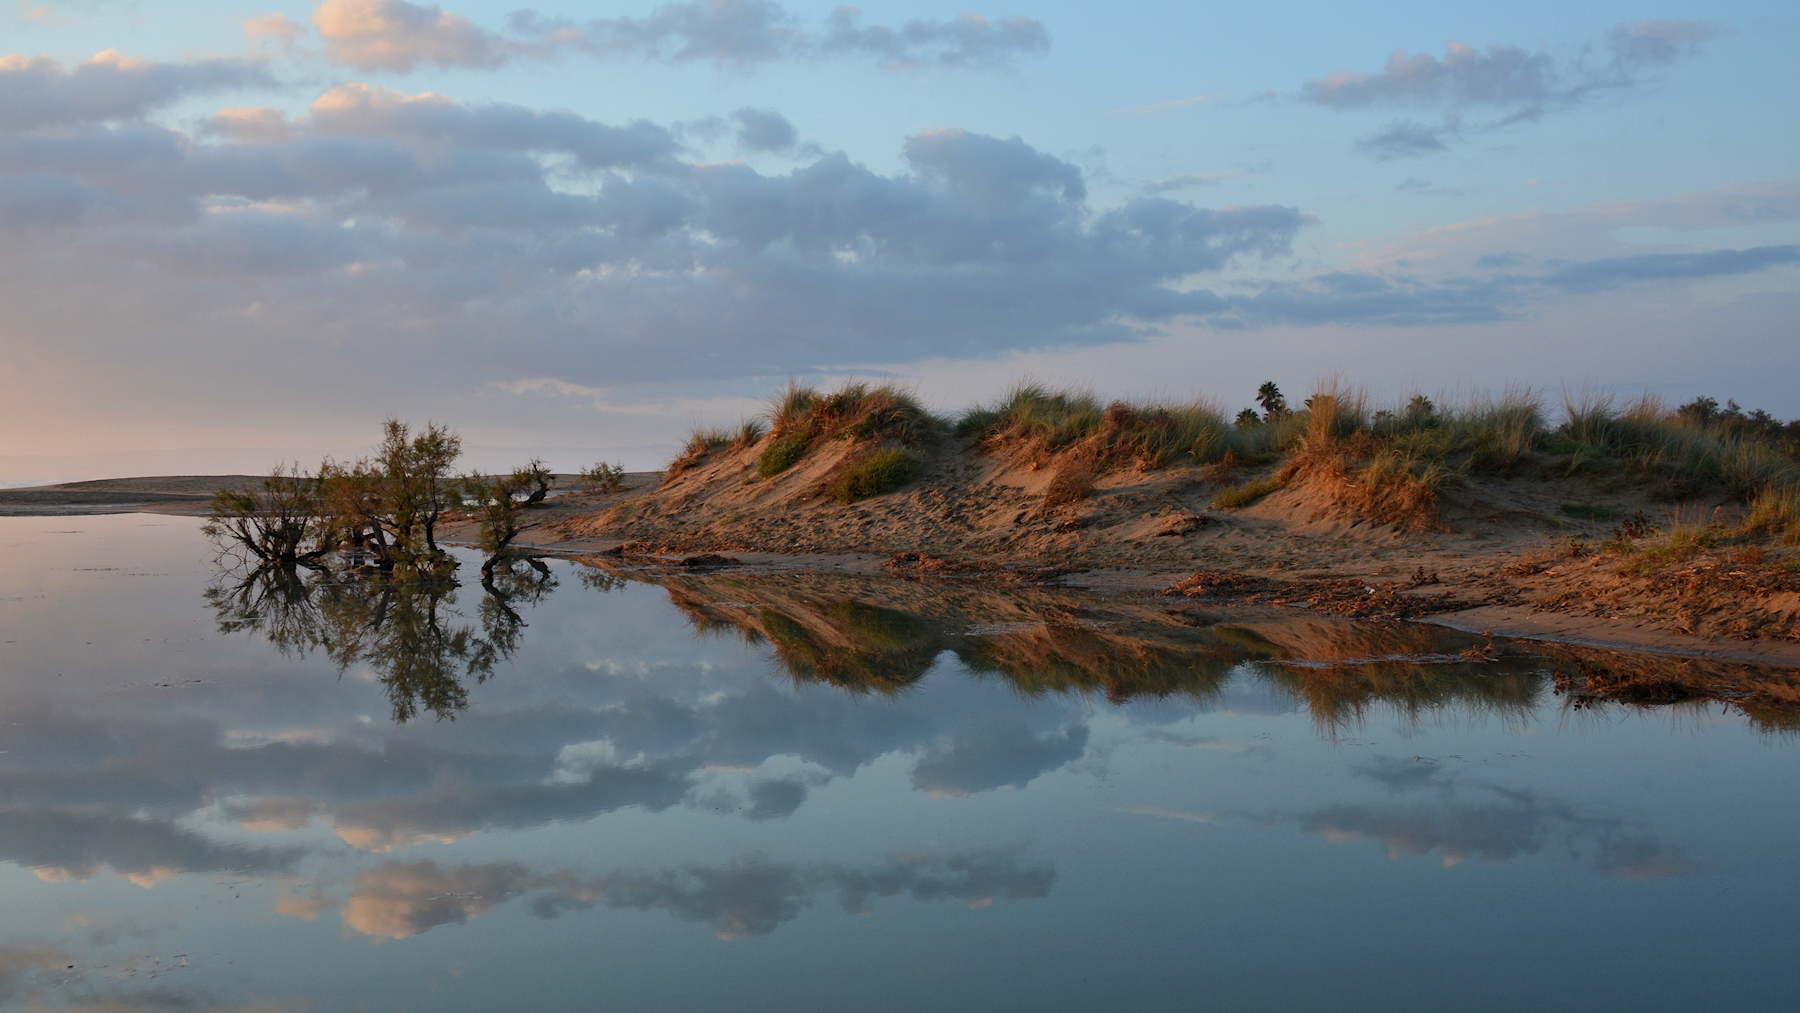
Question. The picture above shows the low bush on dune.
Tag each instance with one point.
(1072, 484)
(780, 455)
(802, 416)
(1234, 496)
(1150, 434)
(875, 473)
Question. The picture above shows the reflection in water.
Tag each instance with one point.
(746, 897)
(1068, 643)
(408, 630)
(1499, 825)
(881, 745)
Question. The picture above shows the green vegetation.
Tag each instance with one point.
(781, 454)
(1235, 496)
(1151, 434)
(1777, 511)
(1385, 464)
(875, 473)
(381, 512)
(1681, 452)
(855, 411)
(603, 477)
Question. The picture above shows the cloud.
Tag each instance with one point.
(1191, 180)
(1174, 103)
(746, 897)
(396, 36)
(968, 41)
(398, 215)
(361, 110)
(38, 91)
(1611, 272)
(1516, 83)
(1406, 139)
(1504, 76)
(276, 27)
(776, 799)
(999, 754)
(764, 130)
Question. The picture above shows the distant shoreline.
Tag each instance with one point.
(1502, 577)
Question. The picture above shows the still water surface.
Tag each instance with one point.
(754, 792)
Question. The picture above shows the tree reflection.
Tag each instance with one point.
(422, 645)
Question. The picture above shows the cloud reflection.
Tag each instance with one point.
(999, 754)
(746, 897)
(64, 846)
(1503, 824)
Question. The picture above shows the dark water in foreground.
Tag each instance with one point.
(734, 792)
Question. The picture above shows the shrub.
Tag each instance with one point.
(781, 454)
(1243, 495)
(603, 477)
(1152, 434)
(1072, 484)
(874, 474)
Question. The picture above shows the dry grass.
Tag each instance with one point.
(1149, 434)
(1385, 480)
(1073, 483)
(1680, 456)
(1776, 512)
(802, 417)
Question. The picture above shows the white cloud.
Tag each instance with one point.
(394, 35)
(397, 36)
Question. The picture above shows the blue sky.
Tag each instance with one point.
(255, 230)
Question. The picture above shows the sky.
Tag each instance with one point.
(234, 233)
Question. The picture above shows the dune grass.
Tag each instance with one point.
(1388, 463)
(703, 440)
(1681, 452)
(875, 473)
(1151, 434)
(1776, 511)
(1234, 496)
(802, 416)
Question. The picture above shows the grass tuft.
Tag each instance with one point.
(875, 473)
(1233, 497)
(781, 454)
(700, 442)
(1777, 512)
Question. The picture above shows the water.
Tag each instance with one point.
(680, 792)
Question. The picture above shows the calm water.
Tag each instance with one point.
(742, 792)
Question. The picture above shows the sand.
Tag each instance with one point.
(1502, 558)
